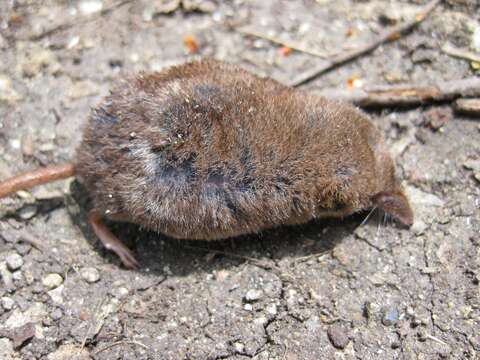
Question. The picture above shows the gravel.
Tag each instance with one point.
(338, 336)
(51, 281)
(90, 274)
(324, 297)
(253, 295)
(14, 261)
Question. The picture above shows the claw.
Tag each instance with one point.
(111, 242)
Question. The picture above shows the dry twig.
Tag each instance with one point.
(82, 20)
(121, 342)
(289, 44)
(459, 53)
(468, 106)
(407, 94)
(387, 36)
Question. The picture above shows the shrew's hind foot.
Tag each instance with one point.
(110, 241)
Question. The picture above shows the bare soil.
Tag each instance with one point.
(326, 290)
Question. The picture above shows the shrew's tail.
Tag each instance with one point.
(36, 177)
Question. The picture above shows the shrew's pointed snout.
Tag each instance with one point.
(396, 204)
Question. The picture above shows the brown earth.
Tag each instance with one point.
(327, 290)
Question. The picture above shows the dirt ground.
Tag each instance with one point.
(326, 290)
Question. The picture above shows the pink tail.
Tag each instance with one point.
(36, 177)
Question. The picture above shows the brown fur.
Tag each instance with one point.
(207, 150)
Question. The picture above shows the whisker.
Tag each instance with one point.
(368, 216)
(379, 225)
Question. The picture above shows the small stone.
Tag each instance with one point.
(239, 347)
(6, 349)
(14, 261)
(476, 39)
(35, 313)
(7, 92)
(421, 198)
(395, 344)
(272, 309)
(57, 294)
(419, 227)
(163, 7)
(410, 311)
(475, 166)
(437, 117)
(7, 303)
(51, 281)
(338, 336)
(248, 307)
(90, 274)
(23, 248)
(221, 275)
(423, 55)
(120, 292)
(17, 275)
(6, 275)
(261, 320)
(204, 6)
(21, 334)
(56, 314)
(390, 316)
(90, 7)
(27, 212)
(253, 295)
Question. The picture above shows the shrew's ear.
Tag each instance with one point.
(395, 204)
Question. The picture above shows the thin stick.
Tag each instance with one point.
(121, 342)
(468, 106)
(36, 177)
(449, 49)
(281, 42)
(406, 94)
(431, 337)
(387, 36)
(82, 20)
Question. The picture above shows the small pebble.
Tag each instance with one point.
(120, 292)
(422, 335)
(395, 344)
(239, 347)
(338, 336)
(253, 295)
(17, 275)
(248, 307)
(261, 320)
(7, 303)
(51, 281)
(90, 274)
(27, 212)
(272, 309)
(6, 349)
(390, 316)
(221, 275)
(57, 294)
(419, 227)
(56, 314)
(90, 7)
(14, 261)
